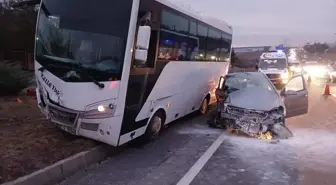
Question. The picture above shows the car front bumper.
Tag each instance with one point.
(248, 121)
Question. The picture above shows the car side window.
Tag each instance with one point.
(295, 84)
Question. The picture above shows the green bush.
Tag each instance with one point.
(13, 79)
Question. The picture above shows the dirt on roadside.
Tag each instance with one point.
(28, 142)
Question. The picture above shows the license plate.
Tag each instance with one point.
(60, 116)
(65, 128)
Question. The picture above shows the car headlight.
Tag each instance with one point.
(105, 109)
(277, 112)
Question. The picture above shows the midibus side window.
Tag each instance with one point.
(145, 19)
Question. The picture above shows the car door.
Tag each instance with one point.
(295, 97)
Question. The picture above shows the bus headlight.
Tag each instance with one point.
(100, 110)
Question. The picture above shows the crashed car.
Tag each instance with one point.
(250, 103)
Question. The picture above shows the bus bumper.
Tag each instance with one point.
(106, 130)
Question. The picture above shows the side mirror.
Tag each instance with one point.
(284, 93)
(142, 43)
(141, 55)
(290, 92)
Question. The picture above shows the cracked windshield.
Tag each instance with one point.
(158, 92)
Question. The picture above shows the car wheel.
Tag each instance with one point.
(212, 121)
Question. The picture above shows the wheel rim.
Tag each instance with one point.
(156, 125)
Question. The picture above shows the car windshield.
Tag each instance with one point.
(279, 63)
(239, 81)
(87, 35)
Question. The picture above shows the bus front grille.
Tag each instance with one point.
(62, 116)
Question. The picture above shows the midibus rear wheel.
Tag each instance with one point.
(204, 107)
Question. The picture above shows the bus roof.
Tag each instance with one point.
(217, 23)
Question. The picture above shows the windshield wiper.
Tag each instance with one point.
(83, 71)
(79, 68)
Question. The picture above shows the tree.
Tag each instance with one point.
(18, 22)
(301, 54)
(316, 48)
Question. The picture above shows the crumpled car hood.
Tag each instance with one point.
(255, 98)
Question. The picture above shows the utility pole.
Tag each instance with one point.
(285, 45)
(285, 42)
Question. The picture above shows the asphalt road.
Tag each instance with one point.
(189, 152)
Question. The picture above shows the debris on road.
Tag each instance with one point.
(267, 135)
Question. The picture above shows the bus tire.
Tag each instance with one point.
(153, 129)
(204, 106)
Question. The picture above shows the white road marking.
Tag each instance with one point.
(334, 95)
(197, 167)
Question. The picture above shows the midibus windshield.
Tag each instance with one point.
(83, 34)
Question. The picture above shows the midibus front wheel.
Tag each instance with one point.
(153, 129)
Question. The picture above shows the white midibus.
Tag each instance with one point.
(115, 70)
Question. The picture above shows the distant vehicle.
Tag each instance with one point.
(295, 67)
(309, 66)
(275, 66)
(318, 70)
(249, 102)
(332, 73)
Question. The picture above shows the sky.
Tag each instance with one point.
(264, 22)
